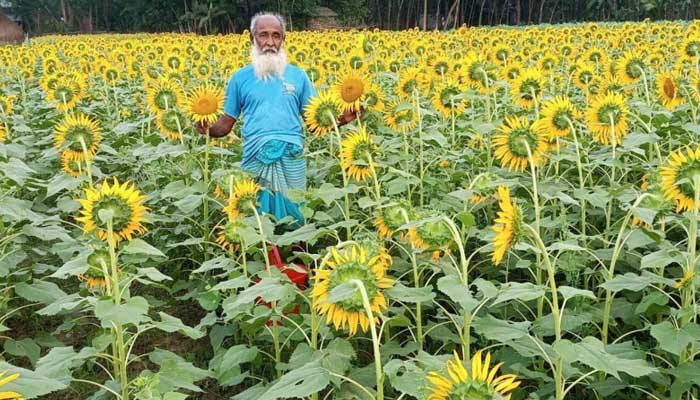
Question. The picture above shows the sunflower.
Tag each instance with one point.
(322, 112)
(73, 128)
(6, 104)
(606, 115)
(9, 395)
(478, 73)
(510, 143)
(476, 142)
(609, 83)
(373, 98)
(229, 237)
(69, 165)
(431, 235)
(163, 94)
(413, 79)
(631, 67)
(352, 264)
(679, 176)
(351, 89)
(97, 262)
(65, 94)
(356, 149)
(390, 218)
(125, 203)
(170, 123)
(245, 196)
(688, 277)
(400, 116)
(447, 99)
(506, 226)
(584, 76)
(556, 115)
(528, 87)
(479, 383)
(691, 46)
(667, 87)
(205, 103)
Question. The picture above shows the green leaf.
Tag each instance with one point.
(629, 281)
(66, 303)
(221, 262)
(61, 182)
(133, 311)
(138, 246)
(500, 330)
(31, 384)
(40, 291)
(172, 324)
(675, 340)
(411, 295)
(687, 374)
(16, 170)
(457, 292)
(23, 348)
(61, 361)
(406, 377)
(307, 233)
(301, 382)
(467, 219)
(662, 258)
(591, 352)
(569, 292)
(189, 203)
(521, 291)
(175, 372)
(153, 274)
(268, 289)
(226, 366)
(337, 356)
(74, 267)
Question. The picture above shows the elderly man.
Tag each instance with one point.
(271, 95)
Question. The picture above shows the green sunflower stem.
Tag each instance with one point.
(373, 171)
(581, 181)
(556, 312)
(205, 198)
(536, 205)
(688, 291)
(88, 168)
(417, 285)
(646, 84)
(608, 211)
(379, 375)
(452, 118)
(421, 155)
(118, 346)
(609, 295)
(346, 203)
(487, 102)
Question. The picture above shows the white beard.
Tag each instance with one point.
(268, 65)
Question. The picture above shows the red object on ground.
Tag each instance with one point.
(294, 275)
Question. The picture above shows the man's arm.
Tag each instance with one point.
(220, 128)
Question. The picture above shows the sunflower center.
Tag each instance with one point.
(473, 391)
(371, 99)
(687, 173)
(529, 89)
(232, 232)
(634, 69)
(518, 139)
(393, 216)
(165, 99)
(409, 86)
(692, 49)
(669, 88)
(204, 106)
(64, 93)
(435, 234)
(170, 120)
(404, 116)
(359, 153)
(95, 261)
(325, 114)
(585, 77)
(121, 212)
(447, 96)
(609, 114)
(561, 119)
(441, 68)
(75, 133)
(352, 89)
(348, 271)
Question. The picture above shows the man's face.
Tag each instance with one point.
(268, 35)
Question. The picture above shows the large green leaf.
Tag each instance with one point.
(226, 366)
(591, 352)
(171, 324)
(175, 372)
(411, 295)
(40, 291)
(30, 384)
(301, 382)
(500, 330)
(133, 311)
(519, 291)
(457, 292)
(675, 340)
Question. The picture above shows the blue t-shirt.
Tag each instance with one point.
(271, 108)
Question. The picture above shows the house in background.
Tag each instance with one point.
(10, 30)
(322, 18)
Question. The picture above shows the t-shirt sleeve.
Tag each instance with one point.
(232, 104)
(308, 91)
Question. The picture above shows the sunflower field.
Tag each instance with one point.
(514, 215)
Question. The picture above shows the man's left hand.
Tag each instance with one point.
(350, 116)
